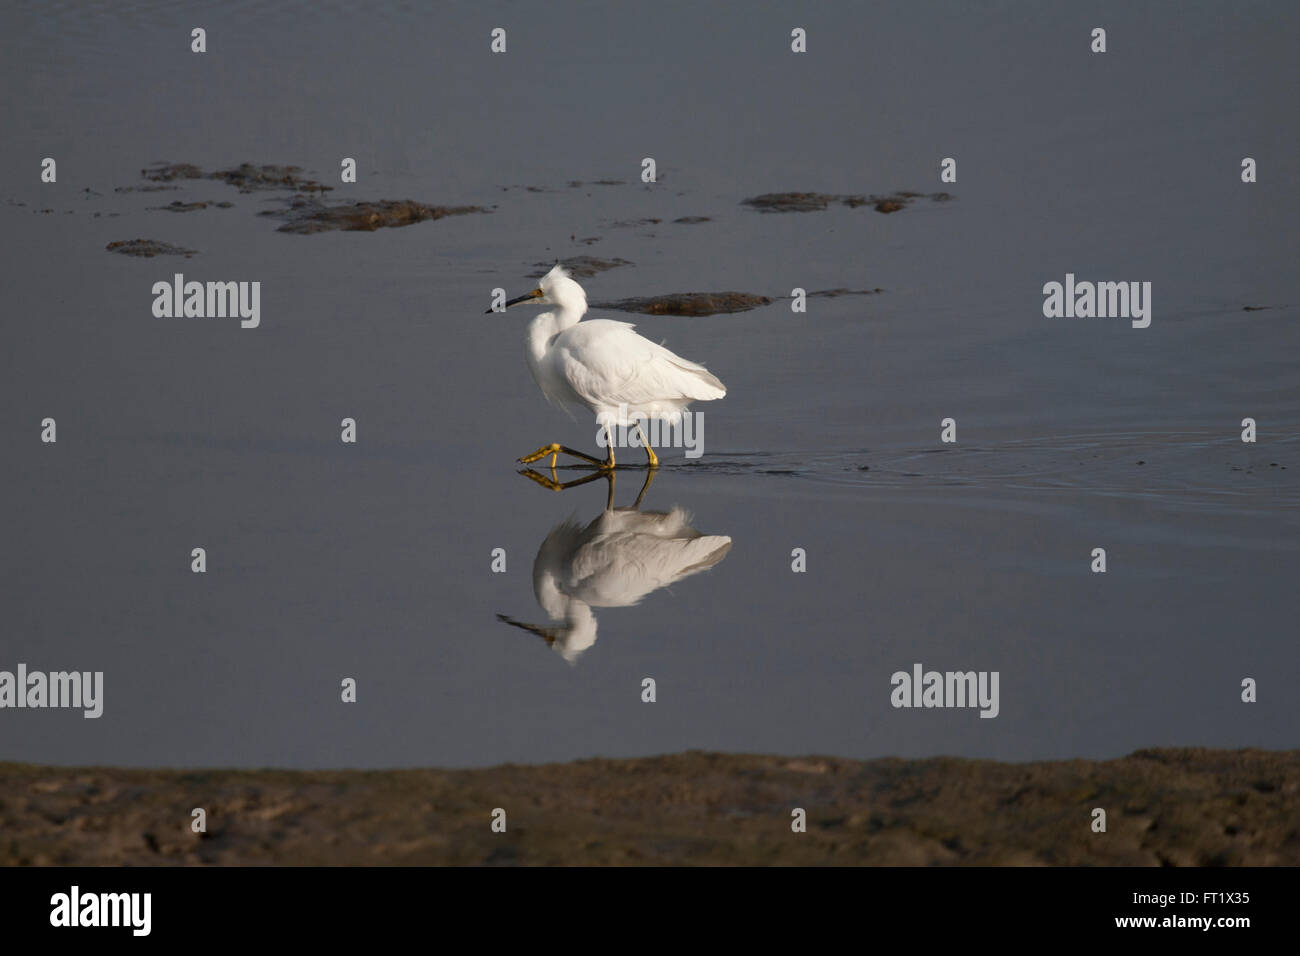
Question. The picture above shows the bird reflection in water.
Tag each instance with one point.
(616, 560)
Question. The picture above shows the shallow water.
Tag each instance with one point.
(373, 560)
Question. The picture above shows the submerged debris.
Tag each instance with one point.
(148, 248)
(302, 213)
(582, 267)
(305, 216)
(688, 303)
(790, 202)
(836, 293)
(178, 206)
(816, 202)
(166, 172)
(246, 176)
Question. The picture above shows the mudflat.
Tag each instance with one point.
(1179, 807)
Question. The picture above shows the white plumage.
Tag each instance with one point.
(616, 373)
(605, 366)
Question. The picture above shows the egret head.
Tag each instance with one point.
(554, 288)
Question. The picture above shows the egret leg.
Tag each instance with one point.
(651, 458)
(609, 446)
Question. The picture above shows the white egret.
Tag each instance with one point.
(605, 367)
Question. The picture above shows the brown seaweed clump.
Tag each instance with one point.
(179, 206)
(688, 303)
(790, 202)
(168, 172)
(247, 177)
(148, 248)
(305, 216)
(581, 267)
(836, 293)
(817, 202)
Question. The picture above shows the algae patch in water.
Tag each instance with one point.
(247, 177)
(817, 202)
(688, 303)
(581, 267)
(167, 172)
(836, 293)
(148, 248)
(712, 303)
(179, 206)
(305, 216)
(304, 212)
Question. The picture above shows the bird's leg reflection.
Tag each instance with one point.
(617, 559)
(636, 505)
(555, 484)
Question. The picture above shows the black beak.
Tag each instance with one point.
(522, 298)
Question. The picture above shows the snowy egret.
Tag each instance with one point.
(606, 367)
(619, 558)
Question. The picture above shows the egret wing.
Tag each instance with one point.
(606, 363)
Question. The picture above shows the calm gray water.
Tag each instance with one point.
(373, 560)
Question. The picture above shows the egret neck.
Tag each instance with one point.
(549, 324)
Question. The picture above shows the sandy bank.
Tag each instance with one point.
(1164, 807)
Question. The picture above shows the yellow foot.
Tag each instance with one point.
(552, 449)
(555, 449)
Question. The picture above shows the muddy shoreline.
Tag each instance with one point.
(1165, 807)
